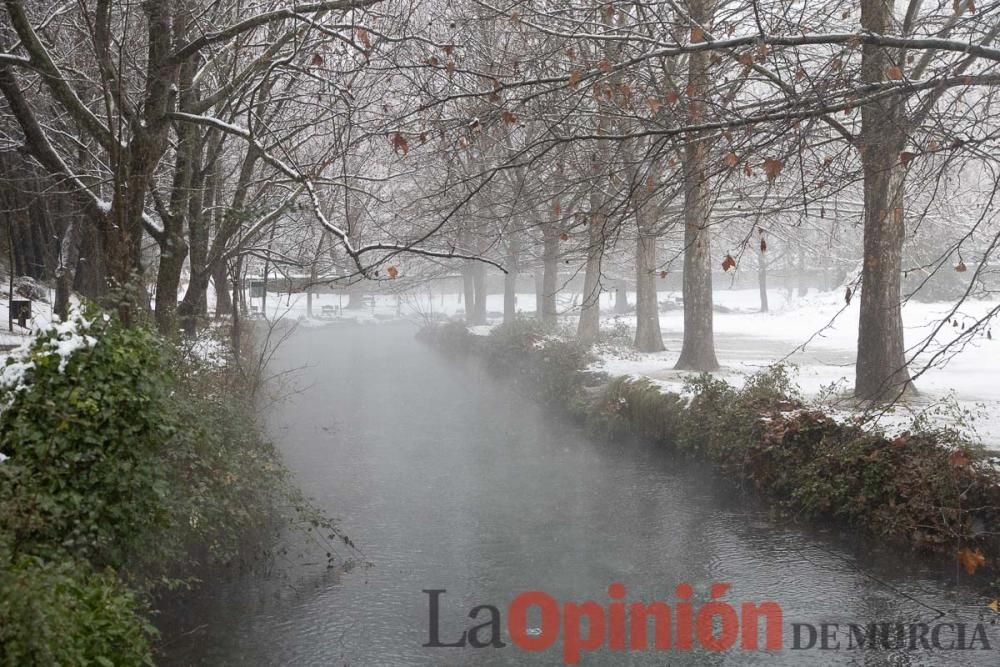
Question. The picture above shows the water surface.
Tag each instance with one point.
(448, 479)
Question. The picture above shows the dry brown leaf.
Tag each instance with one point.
(971, 559)
(957, 458)
(773, 169)
(399, 144)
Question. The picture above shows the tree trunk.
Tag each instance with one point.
(469, 293)
(237, 331)
(69, 250)
(223, 302)
(510, 282)
(621, 297)
(168, 280)
(479, 288)
(550, 275)
(589, 326)
(881, 372)
(355, 297)
(762, 277)
(648, 337)
(698, 348)
(539, 276)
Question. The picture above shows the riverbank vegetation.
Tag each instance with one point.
(931, 489)
(129, 468)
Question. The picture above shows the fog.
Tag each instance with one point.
(447, 479)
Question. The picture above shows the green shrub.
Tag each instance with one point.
(228, 490)
(62, 613)
(124, 457)
(535, 355)
(84, 432)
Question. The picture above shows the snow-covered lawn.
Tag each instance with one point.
(818, 335)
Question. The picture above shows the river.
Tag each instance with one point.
(448, 479)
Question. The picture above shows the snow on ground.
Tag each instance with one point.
(818, 335)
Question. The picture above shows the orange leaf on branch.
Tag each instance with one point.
(393, 272)
(961, 268)
(728, 263)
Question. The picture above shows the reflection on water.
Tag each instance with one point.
(449, 480)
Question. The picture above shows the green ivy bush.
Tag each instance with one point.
(130, 468)
(85, 434)
(64, 613)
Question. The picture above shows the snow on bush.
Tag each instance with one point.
(57, 342)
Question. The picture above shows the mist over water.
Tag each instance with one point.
(448, 479)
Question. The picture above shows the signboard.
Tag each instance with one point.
(256, 289)
(20, 310)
